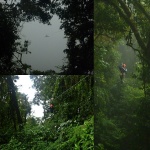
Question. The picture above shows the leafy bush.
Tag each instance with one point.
(78, 137)
(68, 136)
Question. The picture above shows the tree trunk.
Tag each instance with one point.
(14, 102)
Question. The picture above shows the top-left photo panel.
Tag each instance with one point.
(43, 37)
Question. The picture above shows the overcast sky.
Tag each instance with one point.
(25, 86)
(47, 52)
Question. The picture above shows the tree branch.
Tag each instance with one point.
(141, 8)
(129, 21)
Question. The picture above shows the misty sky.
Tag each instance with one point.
(25, 86)
(46, 52)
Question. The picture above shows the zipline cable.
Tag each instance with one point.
(69, 88)
(72, 86)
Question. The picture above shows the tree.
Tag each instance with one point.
(24, 105)
(136, 16)
(77, 21)
(12, 14)
(117, 20)
(67, 93)
(72, 97)
(79, 31)
(14, 108)
(11, 47)
(14, 102)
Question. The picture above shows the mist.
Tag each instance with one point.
(47, 45)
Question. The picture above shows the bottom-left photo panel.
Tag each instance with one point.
(51, 112)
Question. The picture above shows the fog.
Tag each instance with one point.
(47, 44)
(128, 56)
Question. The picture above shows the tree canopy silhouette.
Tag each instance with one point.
(77, 21)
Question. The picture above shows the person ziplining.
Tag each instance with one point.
(123, 70)
(51, 108)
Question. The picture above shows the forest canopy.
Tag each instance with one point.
(122, 108)
(69, 126)
(77, 22)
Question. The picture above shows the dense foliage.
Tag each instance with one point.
(77, 21)
(11, 49)
(122, 109)
(14, 108)
(71, 126)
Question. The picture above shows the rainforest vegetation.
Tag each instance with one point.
(76, 20)
(122, 109)
(69, 126)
